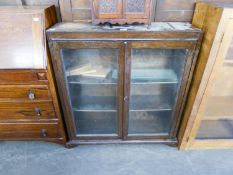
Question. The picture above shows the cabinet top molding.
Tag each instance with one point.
(163, 30)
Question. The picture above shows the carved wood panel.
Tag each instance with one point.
(107, 8)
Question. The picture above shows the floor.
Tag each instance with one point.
(38, 158)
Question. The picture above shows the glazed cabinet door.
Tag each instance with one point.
(107, 8)
(90, 81)
(157, 75)
(216, 109)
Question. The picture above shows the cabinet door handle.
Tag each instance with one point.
(38, 111)
(125, 98)
(31, 95)
(44, 133)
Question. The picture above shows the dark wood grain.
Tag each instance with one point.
(22, 93)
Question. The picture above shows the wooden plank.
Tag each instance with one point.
(207, 49)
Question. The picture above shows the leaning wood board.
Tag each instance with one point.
(216, 20)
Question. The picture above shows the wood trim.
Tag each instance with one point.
(127, 75)
(50, 20)
(190, 62)
(56, 103)
(63, 91)
(170, 142)
(121, 68)
(124, 35)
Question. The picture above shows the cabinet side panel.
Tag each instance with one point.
(50, 20)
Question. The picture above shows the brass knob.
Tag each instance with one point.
(44, 133)
(38, 111)
(31, 95)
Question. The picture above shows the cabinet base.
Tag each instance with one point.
(75, 143)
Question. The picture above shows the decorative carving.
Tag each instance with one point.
(122, 11)
(107, 6)
(135, 5)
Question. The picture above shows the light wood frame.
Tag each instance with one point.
(217, 24)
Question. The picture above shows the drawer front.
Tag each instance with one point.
(29, 130)
(30, 93)
(27, 111)
(23, 77)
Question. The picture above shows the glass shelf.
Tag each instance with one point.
(149, 75)
(90, 80)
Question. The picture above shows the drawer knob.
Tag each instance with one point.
(38, 111)
(44, 133)
(31, 95)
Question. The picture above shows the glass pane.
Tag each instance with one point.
(92, 76)
(155, 80)
(218, 113)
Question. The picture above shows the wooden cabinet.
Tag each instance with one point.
(29, 108)
(108, 11)
(117, 85)
(121, 11)
(209, 115)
